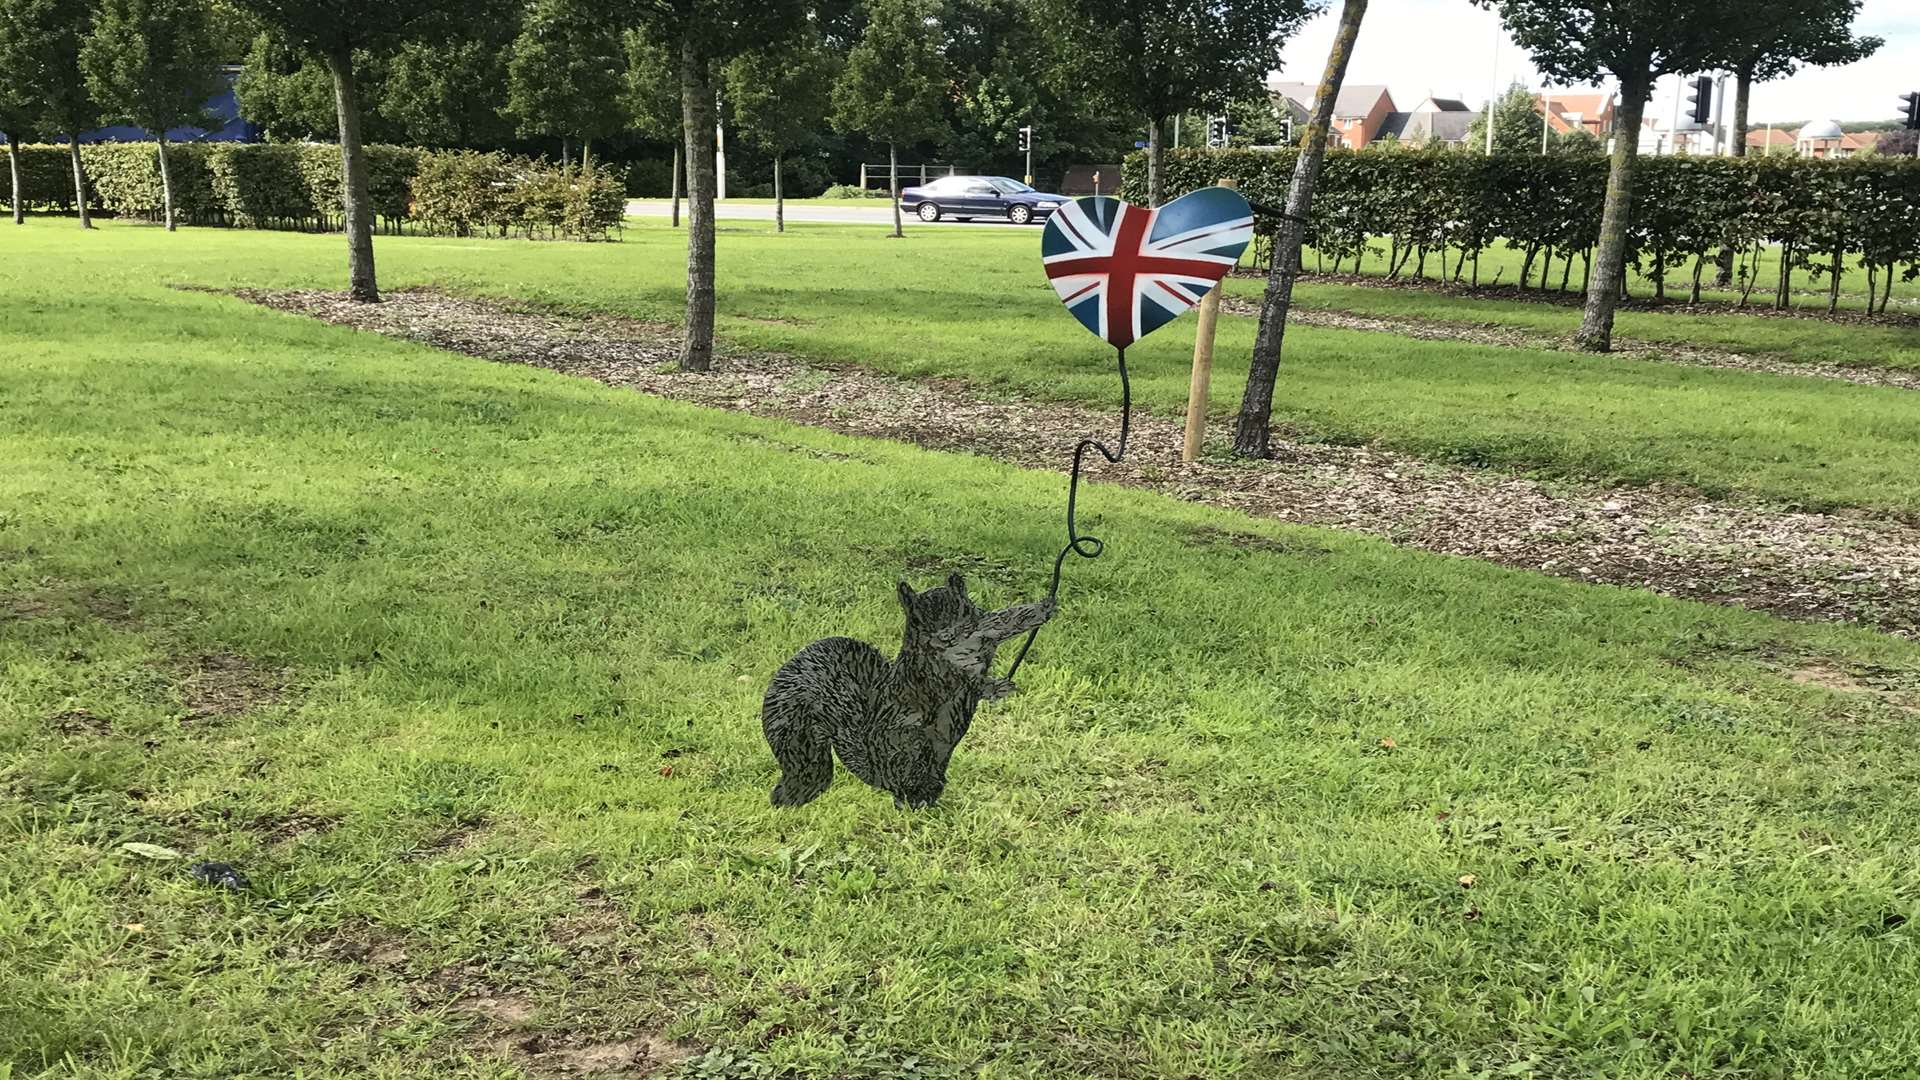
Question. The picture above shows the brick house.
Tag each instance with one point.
(1577, 110)
(1360, 113)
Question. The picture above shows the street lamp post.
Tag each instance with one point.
(1546, 115)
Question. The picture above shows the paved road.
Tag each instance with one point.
(854, 214)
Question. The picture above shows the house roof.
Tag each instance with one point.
(1429, 126)
(1353, 100)
(1769, 137)
(1590, 104)
(1446, 104)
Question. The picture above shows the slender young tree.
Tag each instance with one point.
(14, 120)
(566, 76)
(1636, 42)
(653, 102)
(1252, 435)
(1156, 59)
(894, 85)
(780, 98)
(334, 30)
(150, 63)
(1516, 123)
(705, 34)
(1774, 39)
(40, 60)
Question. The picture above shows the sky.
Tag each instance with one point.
(1447, 47)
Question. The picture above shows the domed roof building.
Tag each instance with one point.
(1820, 138)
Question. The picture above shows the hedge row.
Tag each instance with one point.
(1820, 214)
(279, 186)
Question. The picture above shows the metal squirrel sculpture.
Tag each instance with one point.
(894, 725)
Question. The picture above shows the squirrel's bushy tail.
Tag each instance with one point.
(805, 754)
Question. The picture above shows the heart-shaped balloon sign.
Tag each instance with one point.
(1125, 271)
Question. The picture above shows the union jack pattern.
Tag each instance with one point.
(1125, 271)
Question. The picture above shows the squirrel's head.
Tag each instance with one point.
(934, 614)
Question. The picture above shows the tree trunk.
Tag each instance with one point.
(166, 180)
(893, 186)
(13, 159)
(358, 208)
(1603, 289)
(1254, 433)
(566, 150)
(779, 199)
(679, 176)
(697, 127)
(1737, 140)
(1833, 287)
(1156, 164)
(586, 156)
(79, 181)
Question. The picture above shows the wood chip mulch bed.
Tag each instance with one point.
(1821, 567)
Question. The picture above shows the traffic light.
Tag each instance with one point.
(1216, 132)
(1286, 131)
(1700, 106)
(1026, 138)
(1910, 110)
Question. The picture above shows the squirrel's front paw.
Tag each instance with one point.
(997, 688)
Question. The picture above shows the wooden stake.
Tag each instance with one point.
(1202, 384)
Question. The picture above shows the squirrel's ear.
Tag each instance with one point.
(906, 598)
(957, 584)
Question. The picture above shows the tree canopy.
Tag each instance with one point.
(780, 96)
(151, 63)
(895, 83)
(1635, 41)
(40, 44)
(1775, 38)
(566, 78)
(1157, 58)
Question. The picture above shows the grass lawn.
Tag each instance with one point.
(971, 305)
(1503, 264)
(1299, 805)
(1804, 340)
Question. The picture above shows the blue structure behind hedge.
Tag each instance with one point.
(224, 108)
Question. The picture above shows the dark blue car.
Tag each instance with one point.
(968, 197)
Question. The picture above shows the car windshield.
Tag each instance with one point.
(1010, 187)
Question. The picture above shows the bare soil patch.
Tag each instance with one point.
(1628, 348)
(1885, 686)
(1825, 567)
(80, 722)
(74, 602)
(220, 686)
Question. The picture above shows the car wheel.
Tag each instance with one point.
(1020, 215)
(929, 211)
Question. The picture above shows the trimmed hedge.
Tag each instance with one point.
(285, 186)
(1439, 202)
(468, 193)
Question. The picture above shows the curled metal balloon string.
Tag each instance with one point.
(1085, 545)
